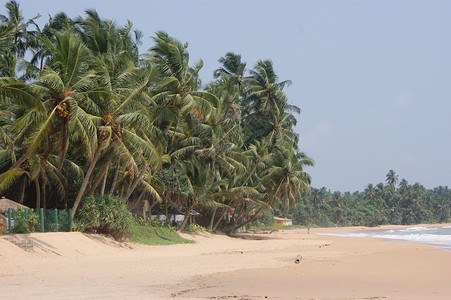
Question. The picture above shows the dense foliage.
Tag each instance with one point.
(105, 214)
(381, 204)
(82, 113)
(24, 221)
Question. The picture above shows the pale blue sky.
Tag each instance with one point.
(373, 78)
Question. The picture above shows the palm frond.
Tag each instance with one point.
(9, 177)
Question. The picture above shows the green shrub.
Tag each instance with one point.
(22, 223)
(78, 226)
(195, 228)
(63, 220)
(156, 223)
(105, 214)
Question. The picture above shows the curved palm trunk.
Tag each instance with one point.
(252, 171)
(187, 213)
(236, 217)
(44, 196)
(101, 177)
(166, 130)
(138, 202)
(38, 194)
(152, 207)
(135, 183)
(116, 175)
(212, 220)
(235, 227)
(22, 190)
(86, 180)
(219, 220)
(41, 64)
(64, 147)
(102, 188)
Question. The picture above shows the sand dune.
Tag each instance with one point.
(78, 266)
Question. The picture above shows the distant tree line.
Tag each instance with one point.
(390, 203)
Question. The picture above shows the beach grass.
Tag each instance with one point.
(156, 236)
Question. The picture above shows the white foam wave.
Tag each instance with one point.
(423, 238)
(428, 235)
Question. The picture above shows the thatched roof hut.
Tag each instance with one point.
(6, 203)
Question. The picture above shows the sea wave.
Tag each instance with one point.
(435, 236)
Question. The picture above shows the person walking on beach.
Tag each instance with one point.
(308, 229)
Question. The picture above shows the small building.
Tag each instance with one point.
(6, 203)
(280, 222)
(176, 216)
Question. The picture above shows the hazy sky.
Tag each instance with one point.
(373, 78)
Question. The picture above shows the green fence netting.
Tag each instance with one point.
(24, 220)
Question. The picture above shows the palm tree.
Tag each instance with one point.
(6, 35)
(286, 179)
(317, 196)
(64, 86)
(392, 178)
(264, 102)
(265, 92)
(122, 110)
(279, 131)
(232, 67)
(178, 84)
(192, 186)
(40, 50)
(21, 36)
(369, 192)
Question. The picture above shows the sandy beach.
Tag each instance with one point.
(262, 266)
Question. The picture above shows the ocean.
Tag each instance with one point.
(439, 237)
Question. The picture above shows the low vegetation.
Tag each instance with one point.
(107, 215)
(156, 235)
(25, 221)
(195, 228)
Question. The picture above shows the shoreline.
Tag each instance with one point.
(412, 237)
(78, 266)
(357, 267)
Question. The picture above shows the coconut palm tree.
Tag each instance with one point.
(279, 131)
(265, 93)
(177, 88)
(21, 36)
(40, 52)
(392, 178)
(264, 102)
(232, 68)
(65, 85)
(123, 116)
(286, 179)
